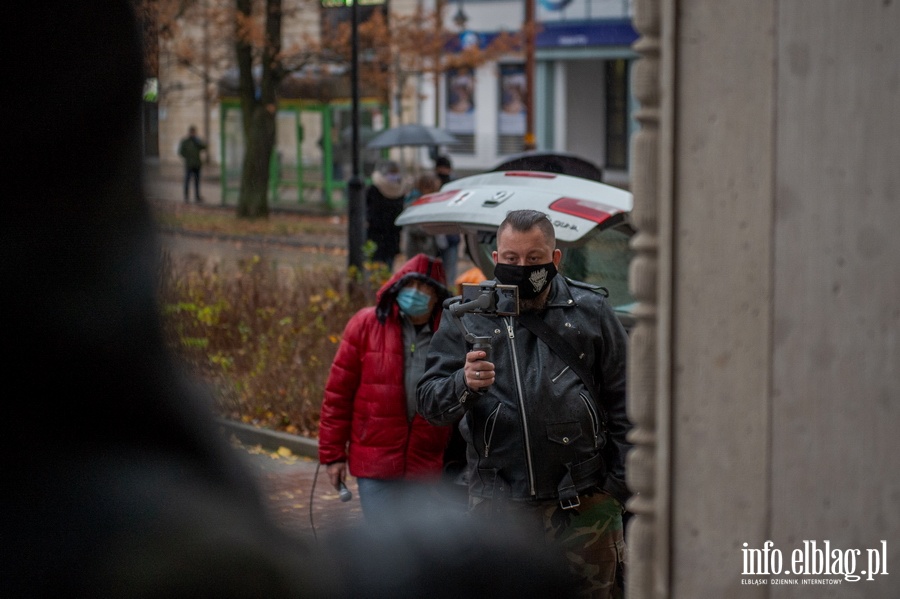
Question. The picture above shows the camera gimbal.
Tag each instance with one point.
(488, 298)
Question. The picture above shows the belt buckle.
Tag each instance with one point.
(570, 503)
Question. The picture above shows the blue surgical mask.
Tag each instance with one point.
(413, 302)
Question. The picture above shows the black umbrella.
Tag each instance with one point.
(552, 162)
(411, 135)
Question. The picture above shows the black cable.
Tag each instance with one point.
(312, 491)
(343, 492)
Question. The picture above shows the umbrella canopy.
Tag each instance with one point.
(552, 162)
(411, 135)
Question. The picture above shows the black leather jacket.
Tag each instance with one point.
(535, 434)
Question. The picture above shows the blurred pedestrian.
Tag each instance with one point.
(155, 503)
(443, 168)
(368, 422)
(447, 244)
(472, 275)
(384, 203)
(418, 241)
(189, 149)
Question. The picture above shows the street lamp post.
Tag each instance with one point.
(530, 142)
(355, 207)
(438, 32)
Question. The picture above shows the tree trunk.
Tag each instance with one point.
(259, 140)
(259, 109)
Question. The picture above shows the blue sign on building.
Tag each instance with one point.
(562, 34)
(567, 34)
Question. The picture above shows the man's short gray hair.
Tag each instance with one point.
(525, 220)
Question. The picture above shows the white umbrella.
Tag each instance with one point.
(411, 135)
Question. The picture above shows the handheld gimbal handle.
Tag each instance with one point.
(483, 343)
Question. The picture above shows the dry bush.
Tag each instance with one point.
(263, 344)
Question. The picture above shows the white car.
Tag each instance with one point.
(590, 218)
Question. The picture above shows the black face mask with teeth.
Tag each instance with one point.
(531, 280)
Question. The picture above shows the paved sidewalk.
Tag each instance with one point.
(298, 493)
(165, 181)
(295, 488)
(301, 499)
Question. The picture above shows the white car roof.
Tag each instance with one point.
(466, 205)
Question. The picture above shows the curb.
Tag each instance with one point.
(270, 440)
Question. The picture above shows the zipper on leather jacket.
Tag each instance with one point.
(462, 398)
(595, 420)
(489, 428)
(561, 372)
(517, 376)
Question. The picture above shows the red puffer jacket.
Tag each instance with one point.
(364, 409)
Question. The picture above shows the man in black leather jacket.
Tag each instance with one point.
(542, 445)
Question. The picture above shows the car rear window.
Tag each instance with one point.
(602, 259)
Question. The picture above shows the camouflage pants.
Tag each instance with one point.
(590, 536)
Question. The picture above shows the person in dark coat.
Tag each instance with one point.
(384, 203)
(544, 414)
(189, 149)
(448, 244)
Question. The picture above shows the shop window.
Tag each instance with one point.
(512, 111)
(460, 109)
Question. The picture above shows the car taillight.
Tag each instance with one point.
(532, 174)
(439, 196)
(582, 209)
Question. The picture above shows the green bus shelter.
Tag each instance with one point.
(312, 159)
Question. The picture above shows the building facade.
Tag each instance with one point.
(582, 94)
(582, 102)
(762, 372)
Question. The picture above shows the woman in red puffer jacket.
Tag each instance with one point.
(369, 418)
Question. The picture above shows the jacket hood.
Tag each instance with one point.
(418, 268)
(389, 187)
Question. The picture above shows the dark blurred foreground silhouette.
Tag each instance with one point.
(118, 483)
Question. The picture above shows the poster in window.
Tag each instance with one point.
(513, 94)
(461, 101)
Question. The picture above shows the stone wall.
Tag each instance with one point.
(765, 376)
